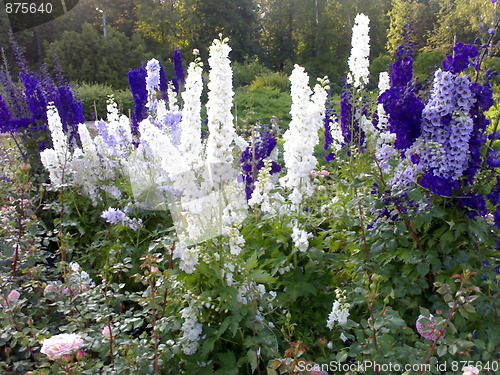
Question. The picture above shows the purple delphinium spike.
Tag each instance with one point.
(401, 104)
(137, 82)
(178, 68)
(264, 145)
(5, 119)
(163, 83)
(461, 58)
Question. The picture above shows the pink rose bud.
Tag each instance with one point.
(4, 220)
(154, 269)
(13, 296)
(80, 355)
(322, 341)
(66, 358)
(325, 173)
(313, 174)
(106, 331)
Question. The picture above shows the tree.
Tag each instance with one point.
(419, 14)
(461, 20)
(91, 57)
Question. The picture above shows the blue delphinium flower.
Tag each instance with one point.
(494, 194)
(116, 216)
(493, 158)
(163, 83)
(4, 116)
(349, 119)
(137, 82)
(437, 184)
(254, 156)
(461, 58)
(402, 106)
(180, 75)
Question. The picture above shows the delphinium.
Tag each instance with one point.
(308, 111)
(254, 157)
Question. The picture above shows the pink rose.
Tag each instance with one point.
(106, 332)
(313, 174)
(13, 296)
(325, 173)
(470, 370)
(60, 345)
(424, 327)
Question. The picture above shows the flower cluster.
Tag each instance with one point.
(401, 104)
(446, 120)
(360, 52)
(191, 330)
(220, 100)
(300, 238)
(260, 149)
(116, 216)
(340, 310)
(58, 346)
(308, 110)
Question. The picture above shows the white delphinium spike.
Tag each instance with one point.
(302, 135)
(112, 109)
(152, 84)
(340, 310)
(300, 238)
(358, 61)
(336, 133)
(173, 104)
(384, 84)
(220, 102)
(190, 125)
(191, 330)
(56, 160)
(92, 168)
(263, 187)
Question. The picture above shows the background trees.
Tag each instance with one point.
(277, 33)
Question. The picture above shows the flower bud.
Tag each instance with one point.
(66, 358)
(80, 355)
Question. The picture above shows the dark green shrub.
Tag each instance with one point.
(262, 104)
(94, 96)
(380, 64)
(427, 62)
(88, 56)
(278, 81)
(244, 74)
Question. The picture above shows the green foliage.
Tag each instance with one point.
(245, 73)
(278, 81)
(381, 64)
(94, 96)
(90, 57)
(259, 105)
(427, 62)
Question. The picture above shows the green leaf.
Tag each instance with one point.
(469, 308)
(252, 359)
(415, 195)
(441, 350)
(260, 276)
(423, 269)
(342, 356)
